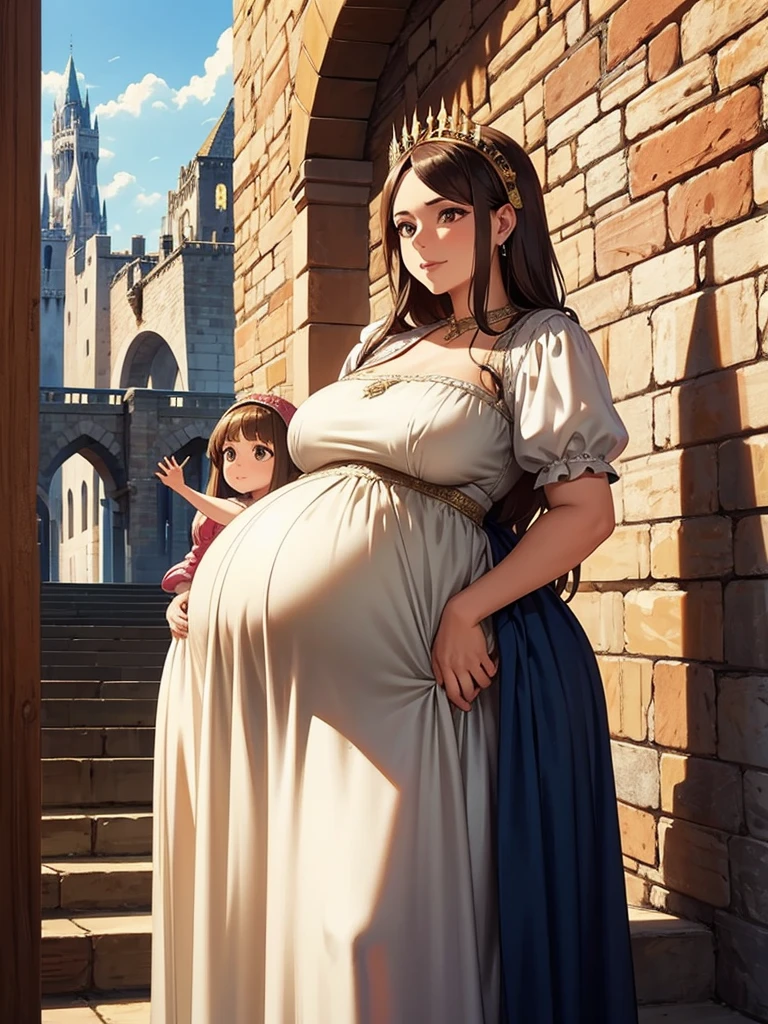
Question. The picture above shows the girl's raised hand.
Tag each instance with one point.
(171, 473)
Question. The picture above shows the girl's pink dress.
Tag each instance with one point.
(204, 530)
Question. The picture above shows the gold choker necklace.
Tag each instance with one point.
(457, 327)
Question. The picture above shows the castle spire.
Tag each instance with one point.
(45, 220)
(103, 218)
(72, 94)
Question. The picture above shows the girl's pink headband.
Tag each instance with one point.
(282, 406)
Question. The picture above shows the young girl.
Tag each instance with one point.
(249, 459)
(404, 815)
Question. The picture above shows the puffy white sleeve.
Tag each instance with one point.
(352, 362)
(565, 423)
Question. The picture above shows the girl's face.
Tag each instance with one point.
(437, 236)
(248, 465)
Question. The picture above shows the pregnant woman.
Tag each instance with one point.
(347, 830)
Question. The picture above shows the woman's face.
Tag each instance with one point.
(248, 465)
(437, 236)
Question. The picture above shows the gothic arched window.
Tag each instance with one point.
(47, 257)
(70, 515)
(84, 506)
(221, 197)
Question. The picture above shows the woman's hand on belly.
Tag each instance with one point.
(460, 659)
(176, 614)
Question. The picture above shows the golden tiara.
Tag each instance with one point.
(460, 128)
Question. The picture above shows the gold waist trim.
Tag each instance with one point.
(452, 496)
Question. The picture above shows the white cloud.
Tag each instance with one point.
(203, 87)
(133, 99)
(116, 228)
(151, 88)
(153, 158)
(209, 120)
(47, 147)
(105, 154)
(53, 82)
(112, 60)
(143, 201)
(120, 181)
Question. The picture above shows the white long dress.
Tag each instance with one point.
(341, 865)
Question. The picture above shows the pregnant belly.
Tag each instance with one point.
(338, 562)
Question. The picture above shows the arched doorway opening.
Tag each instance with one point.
(88, 545)
(175, 515)
(150, 363)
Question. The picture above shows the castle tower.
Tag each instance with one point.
(200, 210)
(75, 205)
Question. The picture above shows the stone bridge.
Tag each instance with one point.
(123, 434)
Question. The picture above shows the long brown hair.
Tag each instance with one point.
(250, 422)
(530, 271)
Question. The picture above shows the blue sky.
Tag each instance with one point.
(159, 76)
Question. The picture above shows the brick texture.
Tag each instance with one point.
(645, 122)
(664, 52)
(704, 137)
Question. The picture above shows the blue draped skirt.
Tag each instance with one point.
(565, 945)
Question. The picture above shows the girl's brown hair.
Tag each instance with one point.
(250, 422)
(531, 274)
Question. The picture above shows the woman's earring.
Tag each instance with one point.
(503, 248)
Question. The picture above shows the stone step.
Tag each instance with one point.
(136, 1011)
(92, 645)
(97, 831)
(125, 742)
(102, 673)
(95, 782)
(155, 599)
(97, 952)
(94, 689)
(136, 622)
(103, 712)
(117, 631)
(670, 956)
(122, 1010)
(698, 1013)
(674, 959)
(94, 884)
(118, 657)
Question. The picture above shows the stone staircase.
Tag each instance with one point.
(103, 648)
(102, 654)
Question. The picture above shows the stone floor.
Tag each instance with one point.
(133, 1012)
(128, 1012)
(699, 1013)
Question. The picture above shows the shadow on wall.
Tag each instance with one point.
(721, 541)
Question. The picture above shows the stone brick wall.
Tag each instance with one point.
(647, 124)
(266, 42)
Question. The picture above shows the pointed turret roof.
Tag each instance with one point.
(221, 141)
(46, 215)
(72, 94)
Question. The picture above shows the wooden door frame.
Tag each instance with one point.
(20, 796)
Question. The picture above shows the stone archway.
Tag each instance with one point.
(343, 50)
(105, 457)
(149, 362)
(104, 454)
